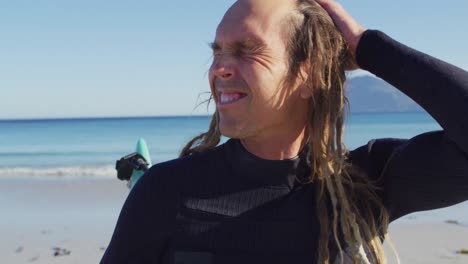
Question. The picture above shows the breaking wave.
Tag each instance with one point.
(82, 171)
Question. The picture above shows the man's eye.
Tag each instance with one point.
(239, 53)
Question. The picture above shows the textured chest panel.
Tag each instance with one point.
(234, 203)
(240, 223)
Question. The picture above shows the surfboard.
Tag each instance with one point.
(142, 149)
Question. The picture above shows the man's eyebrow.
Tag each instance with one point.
(251, 43)
(214, 46)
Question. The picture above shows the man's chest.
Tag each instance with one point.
(254, 226)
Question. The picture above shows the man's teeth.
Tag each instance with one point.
(229, 98)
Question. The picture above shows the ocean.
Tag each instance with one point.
(88, 148)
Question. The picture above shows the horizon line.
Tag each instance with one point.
(97, 117)
(159, 116)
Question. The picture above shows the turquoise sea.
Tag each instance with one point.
(89, 147)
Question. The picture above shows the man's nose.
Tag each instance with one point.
(223, 68)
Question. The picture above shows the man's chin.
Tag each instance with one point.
(231, 130)
(229, 133)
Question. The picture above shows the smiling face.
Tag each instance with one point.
(248, 72)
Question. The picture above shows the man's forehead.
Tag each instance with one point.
(267, 10)
(281, 4)
(241, 30)
(257, 18)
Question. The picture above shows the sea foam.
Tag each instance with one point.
(85, 171)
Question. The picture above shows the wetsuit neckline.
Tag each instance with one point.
(279, 173)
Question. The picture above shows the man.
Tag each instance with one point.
(282, 189)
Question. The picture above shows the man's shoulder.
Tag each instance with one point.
(379, 147)
(194, 164)
(373, 156)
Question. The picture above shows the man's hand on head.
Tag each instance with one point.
(349, 27)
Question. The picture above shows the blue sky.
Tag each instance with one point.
(86, 58)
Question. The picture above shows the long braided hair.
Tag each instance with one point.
(350, 213)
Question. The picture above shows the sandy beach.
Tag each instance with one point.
(72, 220)
(74, 216)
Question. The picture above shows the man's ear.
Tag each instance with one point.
(305, 91)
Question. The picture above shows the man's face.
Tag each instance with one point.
(248, 70)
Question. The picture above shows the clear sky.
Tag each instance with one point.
(63, 58)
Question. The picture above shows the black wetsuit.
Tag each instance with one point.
(228, 206)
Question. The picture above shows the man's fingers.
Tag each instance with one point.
(348, 26)
(328, 4)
